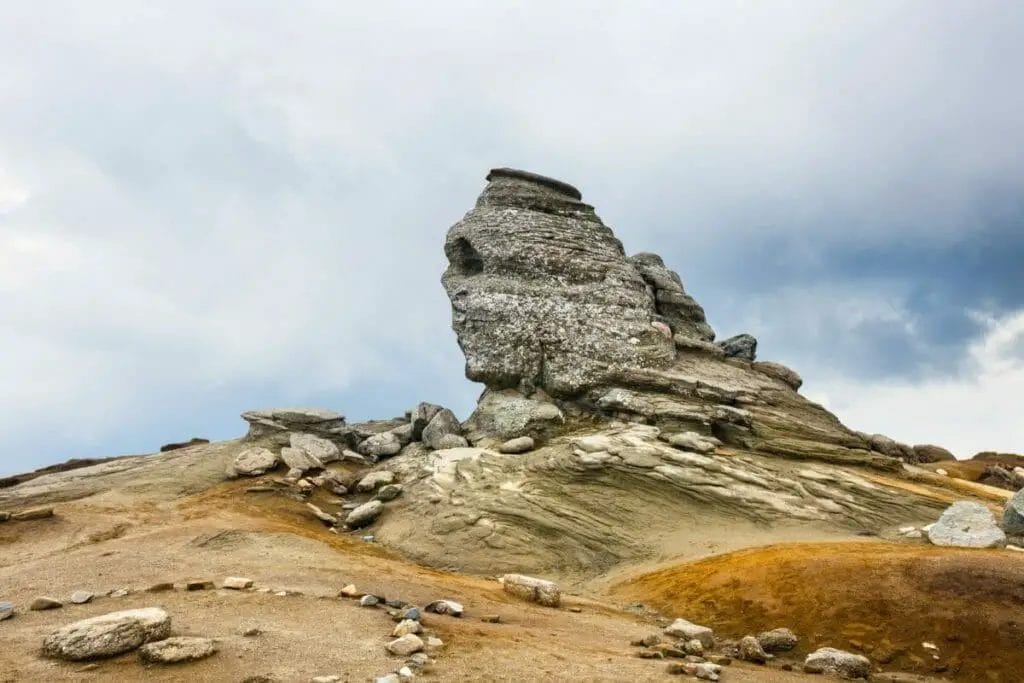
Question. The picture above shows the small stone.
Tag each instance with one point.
(406, 674)
(491, 618)
(750, 650)
(81, 597)
(32, 513)
(520, 444)
(390, 678)
(44, 603)
(681, 628)
(321, 515)
(434, 644)
(650, 654)
(419, 660)
(575, 610)
(160, 587)
(177, 649)
(693, 647)
(406, 645)
(237, 583)
(4, 516)
(325, 679)
(252, 632)
(199, 585)
(253, 462)
(369, 601)
(119, 592)
(941, 472)
(364, 514)
(777, 640)
(721, 660)
(411, 613)
(389, 492)
(405, 627)
(349, 591)
(449, 607)
(381, 445)
(529, 588)
(649, 640)
(6, 610)
(832, 661)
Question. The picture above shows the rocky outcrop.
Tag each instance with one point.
(742, 346)
(310, 420)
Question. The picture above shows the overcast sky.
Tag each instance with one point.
(219, 206)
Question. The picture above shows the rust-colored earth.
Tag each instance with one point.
(882, 599)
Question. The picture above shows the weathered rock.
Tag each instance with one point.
(299, 460)
(194, 441)
(883, 444)
(449, 607)
(681, 628)
(349, 591)
(518, 445)
(324, 517)
(750, 650)
(407, 626)
(237, 583)
(839, 662)
(4, 516)
(703, 670)
(930, 453)
(967, 524)
(364, 514)
(444, 423)
(308, 420)
(6, 610)
(321, 450)
(369, 601)
(389, 492)
(408, 644)
(529, 588)
(45, 603)
(779, 372)
(199, 585)
(692, 441)
(679, 311)
(507, 414)
(177, 649)
(542, 293)
(374, 480)
(777, 640)
(108, 635)
(420, 417)
(451, 441)
(1013, 515)
(381, 445)
(253, 462)
(33, 513)
(81, 597)
(412, 613)
(742, 346)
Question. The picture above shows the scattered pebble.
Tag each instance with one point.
(411, 613)
(449, 607)
(237, 583)
(81, 597)
(198, 585)
(44, 603)
(406, 645)
(368, 601)
(348, 591)
(160, 587)
(177, 649)
(6, 610)
(405, 627)
(491, 618)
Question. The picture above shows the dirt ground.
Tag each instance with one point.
(882, 599)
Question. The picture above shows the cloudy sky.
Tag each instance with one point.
(218, 206)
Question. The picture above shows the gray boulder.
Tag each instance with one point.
(108, 635)
(299, 459)
(541, 591)
(531, 309)
(450, 441)
(829, 660)
(364, 514)
(381, 445)
(777, 640)
(508, 414)
(253, 462)
(178, 649)
(322, 450)
(1013, 515)
(742, 346)
(966, 524)
(420, 417)
(441, 425)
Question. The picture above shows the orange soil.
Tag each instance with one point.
(882, 599)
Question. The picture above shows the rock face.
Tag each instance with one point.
(543, 296)
(108, 635)
(967, 524)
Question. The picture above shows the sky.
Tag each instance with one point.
(209, 207)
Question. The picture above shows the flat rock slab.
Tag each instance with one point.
(175, 650)
(686, 630)
(108, 635)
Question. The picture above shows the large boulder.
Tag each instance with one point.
(381, 445)
(742, 346)
(322, 450)
(443, 424)
(829, 660)
(966, 524)
(508, 414)
(542, 293)
(420, 417)
(108, 635)
(1013, 515)
(252, 462)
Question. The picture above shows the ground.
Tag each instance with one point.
(137, 522)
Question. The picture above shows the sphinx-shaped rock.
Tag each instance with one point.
(542, 293)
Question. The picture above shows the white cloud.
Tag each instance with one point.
(981, 410)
